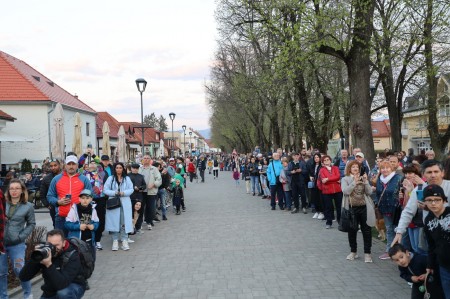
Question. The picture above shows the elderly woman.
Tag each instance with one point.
(119, 221)
(357, 190)
(387, 189)
(20, 223)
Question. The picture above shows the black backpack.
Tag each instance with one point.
(85, 252)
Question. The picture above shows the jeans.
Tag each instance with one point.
(390, 233)
(162, 198)
(445, 281)
(101, 213)
(73, 291)
(361, 218)
(414, 234)
(255, 184)
(202, 174)
(122, 235)
(16, 254)
(288, 199)
(329, 209)
(277, 190)
(264, 187)
(216, 173)
(59, 224)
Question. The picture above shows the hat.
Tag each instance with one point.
(86, 192)
(135, 165)
(72, 159)
(172, 159)
(360, 155)
(104, 157)
(434, 190)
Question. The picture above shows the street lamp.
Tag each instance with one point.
(195, 144)
(172, 117)
(184, 139)
(190, 143)
(141, 84)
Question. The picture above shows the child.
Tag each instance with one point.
(177, 191)
(437, 231)
(82, 220)
(236, 176)
(136, 208)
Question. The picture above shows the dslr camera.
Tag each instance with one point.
(41, 252)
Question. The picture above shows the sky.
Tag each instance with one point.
(97, 49)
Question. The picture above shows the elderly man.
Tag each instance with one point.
(342, 162)
(276, 188)
(360, 158)
(64, 190)
(153, 181)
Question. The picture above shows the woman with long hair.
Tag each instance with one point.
(20, 222)
(316, 194)
(119, 221)
(357, 190)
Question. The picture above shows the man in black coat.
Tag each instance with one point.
(55, 169)
(201, 166)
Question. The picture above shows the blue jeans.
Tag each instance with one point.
(59, 224)
(16, 254)
(445, 281)
(255, 184)
(414, 234)
(265, 189)
(73, 291)
(390, 233)
(162, 197)
(288, 199)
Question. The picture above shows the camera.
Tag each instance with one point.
(42, 251)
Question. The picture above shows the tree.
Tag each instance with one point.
(162, 125)
(157, 123)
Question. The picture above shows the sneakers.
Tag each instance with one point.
(156, 220)
(115, 245)
(164, 217)
(305, 211)
(384, 256)
(99, 246)
(178, 213)
(140, 232)
(368, 258)
(130, 241)
(149, 227)
(183, 209)
(316, 215)
(327, 226)
(352, 256)
(125, 245)
(321, 216)
(273, 208)
(295, 210)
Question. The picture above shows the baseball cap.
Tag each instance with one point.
(72, 159)
(360, 155)
(434, 190)
(172, 159)
(135, 165)
(104, 157)
(86, 192)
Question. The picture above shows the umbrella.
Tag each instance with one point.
(106, 148)
(161, 148)
(76, 145)
(58, 142)
(122, 145)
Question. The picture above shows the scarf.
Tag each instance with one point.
(386, 180)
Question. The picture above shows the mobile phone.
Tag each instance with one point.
(69, 196)
(419, 193)
(362, 171)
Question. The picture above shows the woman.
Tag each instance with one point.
(316, 194)
(19, 225)
(254, 176)
(357, 190)
(387, 189)
(263, 178)
(119, 221)
(286, 181)
(329, 183)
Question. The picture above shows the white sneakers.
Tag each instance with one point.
(130, 241)
(115, 245)
(321, 216)
(352, 256)
(149, 227)
(316, 215)
(125, 245)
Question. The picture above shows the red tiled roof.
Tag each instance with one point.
(112, 122)
(383, 128)
(21, 82)
(6, 116)
(149, 133)
(209, 142)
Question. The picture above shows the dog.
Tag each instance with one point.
(381, 228)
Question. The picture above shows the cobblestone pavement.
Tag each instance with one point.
(229, 244)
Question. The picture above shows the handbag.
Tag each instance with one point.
(348, 220)
(378, 214)
(113, 202)
(310, 184)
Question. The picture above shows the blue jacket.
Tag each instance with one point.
(72, 223)
(271, 175)
(387, 202)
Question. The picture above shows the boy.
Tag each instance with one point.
(177, 191)
(437, 231)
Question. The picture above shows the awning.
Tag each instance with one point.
(4, 137)
(134, 146)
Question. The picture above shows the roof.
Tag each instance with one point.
(6, 116)
(149, 133)
(112, 122)
(21, 82)
(382, 127)
(209, 142)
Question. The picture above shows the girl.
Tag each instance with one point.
(137, 207)
(236, 176)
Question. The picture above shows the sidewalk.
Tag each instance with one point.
(229, 244)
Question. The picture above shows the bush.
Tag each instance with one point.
(26, 166)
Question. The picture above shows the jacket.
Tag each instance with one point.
(314, 173)
(45, 184)
(297, 178)
(334, 179)
(63, 184)
(386, 203)
(138, 180)
(72, 223)
(347, 185)
(59, 275)
(253, 168)
(152, 177)
(20, 225)
(112, 219)
(273, 171)
(437, 231)
(177, 191)
(417, 265)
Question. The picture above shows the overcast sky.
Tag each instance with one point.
(97, 49)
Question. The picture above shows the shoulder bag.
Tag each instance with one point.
(114, 201)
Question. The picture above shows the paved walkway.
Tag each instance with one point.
(230, 244)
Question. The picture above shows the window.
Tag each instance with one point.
(375, 131)
(444, 110)
(424, 146)
(87, 129)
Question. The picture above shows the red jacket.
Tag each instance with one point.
(333, 185)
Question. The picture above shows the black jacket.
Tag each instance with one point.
(58, 276)
(45, 184)
(438, 239)
(201, 164)
(417, 266)
(138, 180)
(165, 181)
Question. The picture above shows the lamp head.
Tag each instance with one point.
(141, 84)
(190, 133)
(172, 115)
(184, 127)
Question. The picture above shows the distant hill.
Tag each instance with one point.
(205, 133)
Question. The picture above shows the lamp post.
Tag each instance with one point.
(141, 84)
(190, 143)
(172, 117)
(195, 144)
(184, 140)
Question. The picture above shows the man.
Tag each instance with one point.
(163, 189)
(172, 167)
(64, 190)
(153, 181)
(276, 188)
(36, 170)
(395, 163)
(101, 200)
(62, 272)
(201, 166)
(433, 171)
(55, 169)
(342, 162)
(254, 176)
(297, 171)
(363, 162)
(30, 182)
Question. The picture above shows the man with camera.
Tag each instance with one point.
(61, 268)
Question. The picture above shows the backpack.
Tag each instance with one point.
(85, 252)
(216, 163)
(191, 167)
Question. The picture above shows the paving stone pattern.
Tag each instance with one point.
(229, 244)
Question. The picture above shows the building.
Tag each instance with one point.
(31, 97)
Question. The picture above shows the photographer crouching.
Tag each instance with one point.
(62, 271)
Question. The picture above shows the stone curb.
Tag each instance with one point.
(18, 290)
